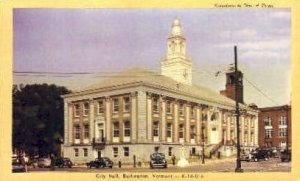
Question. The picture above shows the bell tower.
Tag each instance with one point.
(231, 82)
(176, 65)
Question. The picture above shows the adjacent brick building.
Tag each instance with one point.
(275, 126)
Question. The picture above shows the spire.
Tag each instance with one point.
(176, 28)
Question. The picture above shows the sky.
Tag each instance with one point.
(107, 41)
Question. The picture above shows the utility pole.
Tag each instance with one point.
(237, 111)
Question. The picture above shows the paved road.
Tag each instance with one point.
(226, 165)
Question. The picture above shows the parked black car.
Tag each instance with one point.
(17, 166)
(63, 162)
(286, 155)
(259, 154)
(100, 163)
(158, 160)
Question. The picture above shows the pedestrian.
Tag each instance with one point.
(173, 159)
(52, 162)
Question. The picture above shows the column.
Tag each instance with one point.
(66, 123)
(175, 125)
(108, 119)
(256, 130)
(141, 116)
(249, 130)
(187, 123)
(228, 120)
(242, 131)
(198, 124)
(70, 123)
(149, 117)
(92, 120)
(208, 128)
(133, 117)
(162, 126)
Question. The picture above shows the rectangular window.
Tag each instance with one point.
(181, 109)
(76, 110)
(85, 152)
(268, 133)
(116, 129)
(156, 128)
(192, 112)
(86, 109)
(192, 132)
(169, 107)
(115, 151)
(77, 132)
(116, 105)
(193, 151)
(282, 132)
(181, 130)
(126, 104)
(268, 121)
(155, 104)
(169, 130)
(76, 152)
(282, 121)
(100, 106)
(127, 128)
(86, 131)
(170, 151)
(126, 151)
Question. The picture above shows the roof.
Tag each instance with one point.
(146, 77)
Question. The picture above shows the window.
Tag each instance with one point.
(268, 133)
(192, 132)
(115, 151)
(181, 109)
(116, 129)
(100, 106)
(126, 151)
(86, 109)
(170, 151)
(181, 130)
(169, 129)
(77, 132)
(192, 112)
(77, 110)
(268, 121)
(126, 104)
(86, 131)
(169, 108)
(282, 121)
(116, 105)
(155, 104)
(156, 128)
(85, 152)
(252, 123)
(127, 128)
(76, 152)
(193, 151)
(282, 132)
(156, 149)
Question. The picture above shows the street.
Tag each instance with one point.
(223, 165)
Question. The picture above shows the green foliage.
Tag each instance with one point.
(38, 119)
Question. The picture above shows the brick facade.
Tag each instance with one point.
(275, 115)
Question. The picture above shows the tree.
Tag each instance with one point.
(38, 118)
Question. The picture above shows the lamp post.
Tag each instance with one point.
(237, 111)
(202, 139)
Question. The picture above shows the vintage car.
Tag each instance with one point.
(158, 160)
(101, 162)
(62, 162)
(286, 156)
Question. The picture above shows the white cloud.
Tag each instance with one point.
(239, 34)
(281, 15)
(260, 55)
(259, 45)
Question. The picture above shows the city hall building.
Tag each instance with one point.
(141, 112)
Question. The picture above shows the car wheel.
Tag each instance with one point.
(266, 158)
(255, 159)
